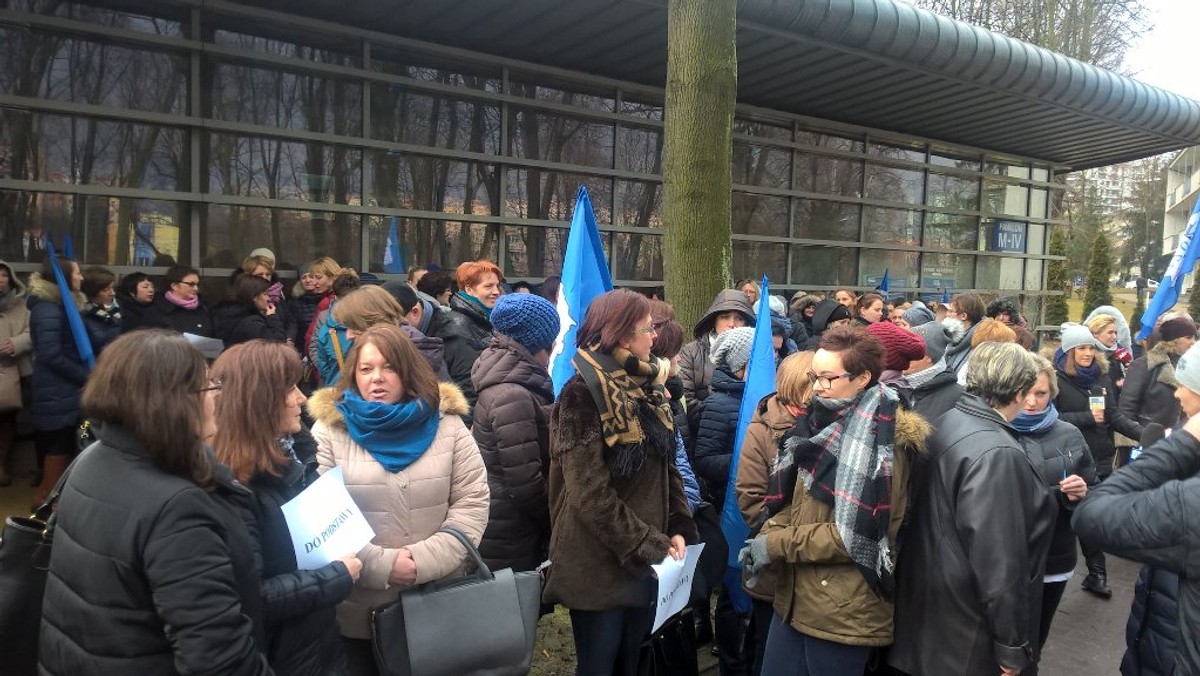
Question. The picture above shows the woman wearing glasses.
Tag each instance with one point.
(617, 504)
(835, 546)
(180, 309)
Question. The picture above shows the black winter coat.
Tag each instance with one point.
(1146, 512)
(512, 429)
(299, 606)
(465, 332)
(133, 313)
(932, 399)
(102, 327)
(714, 439)
(302, 309)
(58, 371)
(164, 314)
(1059, 452)
(969, 578)
(150, 573)
(1149, 392)
(237, 323)
(1074, 407)
(1152, 632)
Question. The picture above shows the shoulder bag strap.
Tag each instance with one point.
(337, 348)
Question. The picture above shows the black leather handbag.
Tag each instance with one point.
(671, 651)
(24, 560)
(481, 624)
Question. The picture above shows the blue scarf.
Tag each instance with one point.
(396, 435)
(1084, 377)
(1036, 423)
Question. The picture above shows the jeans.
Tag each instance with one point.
(756, 635)
(790, 653)
(608, 642)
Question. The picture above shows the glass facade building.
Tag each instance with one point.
(189, 133)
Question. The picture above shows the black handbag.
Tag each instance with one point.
(671, 651)
(24, 560)
(481, 624)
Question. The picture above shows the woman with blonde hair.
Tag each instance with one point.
(759, 472)
(371, 305)
(313, 296)
(410, 464)
(257, 411)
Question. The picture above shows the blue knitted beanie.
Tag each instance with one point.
(528, 319)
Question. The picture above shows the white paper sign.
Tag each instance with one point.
(675, 584)
(325, 523)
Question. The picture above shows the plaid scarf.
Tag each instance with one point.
(635, 411)
(848, 465)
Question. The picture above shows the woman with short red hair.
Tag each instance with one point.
(467, 329)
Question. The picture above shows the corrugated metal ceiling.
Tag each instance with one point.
(875, 63)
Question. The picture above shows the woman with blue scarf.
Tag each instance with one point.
(410, 464)
(1086, 399)
(1061, 455)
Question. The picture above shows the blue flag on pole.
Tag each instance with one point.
(945, 295)
(760, 381)
(1182, 263)
(74, 320)
(584, 276)
(69, 247)
(884, 283)
(393, 253)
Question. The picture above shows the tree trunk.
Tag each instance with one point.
(698, 130)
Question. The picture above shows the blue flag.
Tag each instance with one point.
(74, 320)
(883, 283)
(68, 247)
(393, 253)
(760, 381)
(1183, 262)
(945, 295)
(584, 276)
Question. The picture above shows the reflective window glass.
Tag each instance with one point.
(752, 260)
(953, 192)
(297, 101)
(901, 267)
(558, 138)
(895, 185)
(946, 231)
(759, 215)
(892, 226)
(404, 115)
(533, 251)
(640, 149)
(637, 257)
(290, 170)
(757, 165)
(995, 272)
(824, 266)
(828, 175)
(550, 195)
(295, 235)
(639, 204)
(410, 181)
(947, 271)
(820, 219)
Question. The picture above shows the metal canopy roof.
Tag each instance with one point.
(875, 63)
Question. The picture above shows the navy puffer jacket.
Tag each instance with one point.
(1153, 627)
(714, 438)
(58, 371)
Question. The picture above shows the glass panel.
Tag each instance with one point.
(291, 170)
(892, 226)
(953, 192)
(947, 271)
(895, 185)
(557, 138)
(406, 116)
(759, 215)
(105, 230)
(818, 219)
(1033, 275)
(572, 93)
(639, 204)
(635, 107)
(901, 267)
(996, 272)
(1035, 241)
(534, 251)
(407, 181)
(943, 231)
(1039, 198)
(761, 165)
(829, 175)
(824, 266)
(66, 68)
(914, 152)
(850, 145)
(1002, 169)
(296, 236)
(1004, 235)
(425, 241)
(91, 151)
(158, 24)
(288, 41)
(1005, 198)
(1040, 174)
(949, 158)
(431, 68)
(640, 150)
(286, 100)
(782, 132)
(752, 260)
(550, 195)
(637, 257)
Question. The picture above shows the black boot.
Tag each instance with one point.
(1096, 581)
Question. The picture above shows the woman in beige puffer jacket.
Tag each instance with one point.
(427, 475)
(15, 362)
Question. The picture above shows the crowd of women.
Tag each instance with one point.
(909, 486)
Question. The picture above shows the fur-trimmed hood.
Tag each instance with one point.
(47, 290)
(1124, 338)
(912, 431)
(1165, 355)
(16, 289)
(322, 404)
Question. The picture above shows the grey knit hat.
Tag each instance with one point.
(732, 348)
(1187, 371)
(918, 315)
(936, 339)
(1074, 335)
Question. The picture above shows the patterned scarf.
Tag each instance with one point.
(923, 377)
(635, 411)
(848, 465)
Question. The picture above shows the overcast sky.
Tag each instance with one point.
(1166, 57)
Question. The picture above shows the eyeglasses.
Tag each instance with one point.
(191, 284)
(825, 382)
(649, 330)
(212, 385)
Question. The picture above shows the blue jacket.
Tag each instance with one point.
(1153, 627)
(691, 487)
(714, 439)
(327, 360)
(58, 371)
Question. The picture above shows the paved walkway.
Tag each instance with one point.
(1088, 634)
